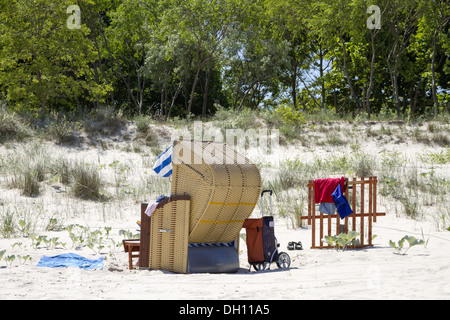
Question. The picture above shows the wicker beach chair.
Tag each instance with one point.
(214, 189)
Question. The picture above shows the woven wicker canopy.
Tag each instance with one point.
(223, 186)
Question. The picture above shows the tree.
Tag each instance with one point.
(401, 18)
(289, 22)
(369, 25)
(332, 23)
(168, 66)
(204, 24)
(254, 62)
(42, 60)
(95, 17)
(125, 40)
(433, 24)
(180, 57)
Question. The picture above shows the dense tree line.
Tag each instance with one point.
(180, 57)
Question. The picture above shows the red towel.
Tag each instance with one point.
(323, 188)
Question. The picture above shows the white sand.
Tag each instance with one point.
(372, 273)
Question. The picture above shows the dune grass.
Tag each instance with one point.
(408, 186)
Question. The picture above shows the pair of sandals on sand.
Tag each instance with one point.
(295, 245)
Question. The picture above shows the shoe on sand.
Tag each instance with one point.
(291, 245)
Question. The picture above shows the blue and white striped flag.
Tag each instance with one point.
(163, 165)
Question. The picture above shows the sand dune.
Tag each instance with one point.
(371, 273)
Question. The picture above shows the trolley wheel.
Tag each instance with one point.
(260, 266)
(284, 261)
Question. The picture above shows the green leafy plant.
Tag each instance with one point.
(75, 239)
(18, 244)
(77, 234)
(24, 227)
(24, 259)
(113, 246)
(2, 253)
(390, 181)
(412, 241)
(127, 234)
(342, 240)
(54, 225)
(10, 259)
(36, 240)
(7, 224)
(95, 241)
(442, 157)
(33, 238)
(52, 243)
(107, 230)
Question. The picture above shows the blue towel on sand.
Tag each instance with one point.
(70, 260)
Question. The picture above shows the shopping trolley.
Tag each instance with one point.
(262, 245)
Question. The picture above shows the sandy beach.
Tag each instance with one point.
(377, 272)
(374, 273)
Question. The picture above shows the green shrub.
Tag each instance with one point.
(86, 182)
(11, 126)
(289, 121)
(26, 168)
(442, 157)
(30, 183)
(142, 123)
(289, 115)
(363, 164)
(62, 129)
(342, 240)
(104, 120)
(61, 168)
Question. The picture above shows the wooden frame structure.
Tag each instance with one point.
(361, 194)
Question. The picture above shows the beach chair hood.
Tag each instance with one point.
(223, 185)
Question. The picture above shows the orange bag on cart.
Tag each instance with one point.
(260, 239)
